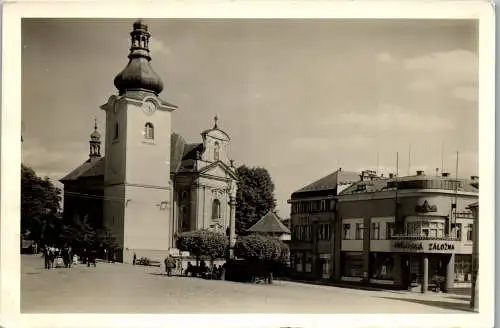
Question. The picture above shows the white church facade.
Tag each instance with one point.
(151, 184)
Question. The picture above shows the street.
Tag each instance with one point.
(119, 288)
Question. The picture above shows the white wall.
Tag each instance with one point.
(147, 227)
(148, 161)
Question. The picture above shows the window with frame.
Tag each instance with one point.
(390, 230)
(216, 212)
(324, 232)
(470, 227)
(216, 151)
(458, 231)
(359, 231)
(149, 131)
(116, 131)
(346, 231)
(323, 206)
(463, 268)
(375, 230)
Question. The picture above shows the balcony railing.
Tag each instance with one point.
(421, 237)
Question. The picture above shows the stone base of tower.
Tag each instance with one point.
(142, 222)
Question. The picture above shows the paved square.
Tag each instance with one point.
(120, 288)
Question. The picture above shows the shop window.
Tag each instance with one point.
(308, 263)
(299, 262)
(469, 232)
(382, 265)
(347, 231)
(375, 231)
(463, 268)
(359, 231)
(352, 264)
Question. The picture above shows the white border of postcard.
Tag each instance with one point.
(11, 149)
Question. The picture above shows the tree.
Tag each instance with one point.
(254, 196)
(81, 235)
(264, 254)
(40, 206)
(203, 243)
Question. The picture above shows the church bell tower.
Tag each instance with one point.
(137, 186)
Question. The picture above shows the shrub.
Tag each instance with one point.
(143, 261)
(203, 243)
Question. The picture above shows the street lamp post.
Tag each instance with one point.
(474, 301)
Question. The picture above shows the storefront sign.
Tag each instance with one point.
(426, 246)
(408, 245)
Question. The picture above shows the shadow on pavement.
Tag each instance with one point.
(440, 304)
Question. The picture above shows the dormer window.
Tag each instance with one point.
(149, 131)
(216, 151)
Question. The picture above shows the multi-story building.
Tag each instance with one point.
(311, 221)
(406, 231)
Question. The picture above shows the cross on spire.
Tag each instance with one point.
(215, 121)
(95, 123)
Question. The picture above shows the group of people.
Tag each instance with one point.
(204, 271)
(52, 255)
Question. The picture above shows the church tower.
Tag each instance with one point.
(95, 143)
(137, 186)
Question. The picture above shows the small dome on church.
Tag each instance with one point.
(138, 75)
(140, 25)
(95, 135)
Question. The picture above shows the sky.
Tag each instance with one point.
(300, 98)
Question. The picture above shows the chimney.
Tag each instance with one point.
(445, 174)
(391, 175)
(420, 172)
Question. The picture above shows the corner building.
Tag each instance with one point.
(404, 231)
(151, 184)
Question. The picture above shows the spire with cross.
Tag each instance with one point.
(215, 121)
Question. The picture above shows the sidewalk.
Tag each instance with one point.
(347, 285)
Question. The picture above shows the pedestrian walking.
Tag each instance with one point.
(134, 259)
(169, 265)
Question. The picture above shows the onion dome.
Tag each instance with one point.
(138, 75)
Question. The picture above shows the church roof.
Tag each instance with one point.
(182, 157)
(269, 223)
(91, 167)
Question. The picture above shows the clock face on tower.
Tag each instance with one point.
(149, 107)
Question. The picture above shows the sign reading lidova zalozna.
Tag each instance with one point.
(425, 246)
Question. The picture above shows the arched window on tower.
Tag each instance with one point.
(216, 151)
(116, 131)
(216, 210)
(149, 131)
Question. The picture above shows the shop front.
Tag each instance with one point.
(424, 264)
